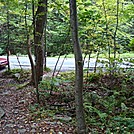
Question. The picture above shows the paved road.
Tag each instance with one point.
(68, 64)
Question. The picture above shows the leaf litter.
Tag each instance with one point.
(18, 118)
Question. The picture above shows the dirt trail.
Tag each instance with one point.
(17, 119)
(15, 104)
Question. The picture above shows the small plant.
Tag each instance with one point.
(50, 84)
(47, 69)
(93, 77)
(1, 51)
(37, 112)
(13, 71)
(67, 76)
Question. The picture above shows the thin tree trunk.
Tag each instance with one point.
(45, 35)
(8, 36)
(88, 67)
(39, 48)
(97, 57)
(117, 21)
(17, 56)
(116, 28)
(29, 50)
(34, 74)
(31, 60)
(61, 65)
(28, 43)
(81, 127)
(109, 49)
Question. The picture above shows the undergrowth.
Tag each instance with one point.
(108, 100)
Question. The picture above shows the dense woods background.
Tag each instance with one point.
(103, 25)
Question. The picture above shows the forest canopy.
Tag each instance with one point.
(103, 25)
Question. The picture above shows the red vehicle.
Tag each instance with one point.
(3, 62)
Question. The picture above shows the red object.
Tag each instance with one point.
(3, 62)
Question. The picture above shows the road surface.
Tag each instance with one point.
(69, 63)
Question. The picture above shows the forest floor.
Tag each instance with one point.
(16, 117)
(108, 103)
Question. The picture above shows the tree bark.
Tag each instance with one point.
(39, 48)
(81, 127)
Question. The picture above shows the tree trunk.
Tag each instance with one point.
(45, 43)
(39, 48)
(81, 127)
(115, 33)
(8, 36)
(107, 28)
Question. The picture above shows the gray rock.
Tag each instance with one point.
(62, 117)
(2, 113)
(17, 75)
(21, 131)
(6, 93)
(9, 125)
(22, 101)
(16, 111)
(33, 131)
(60, 133)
